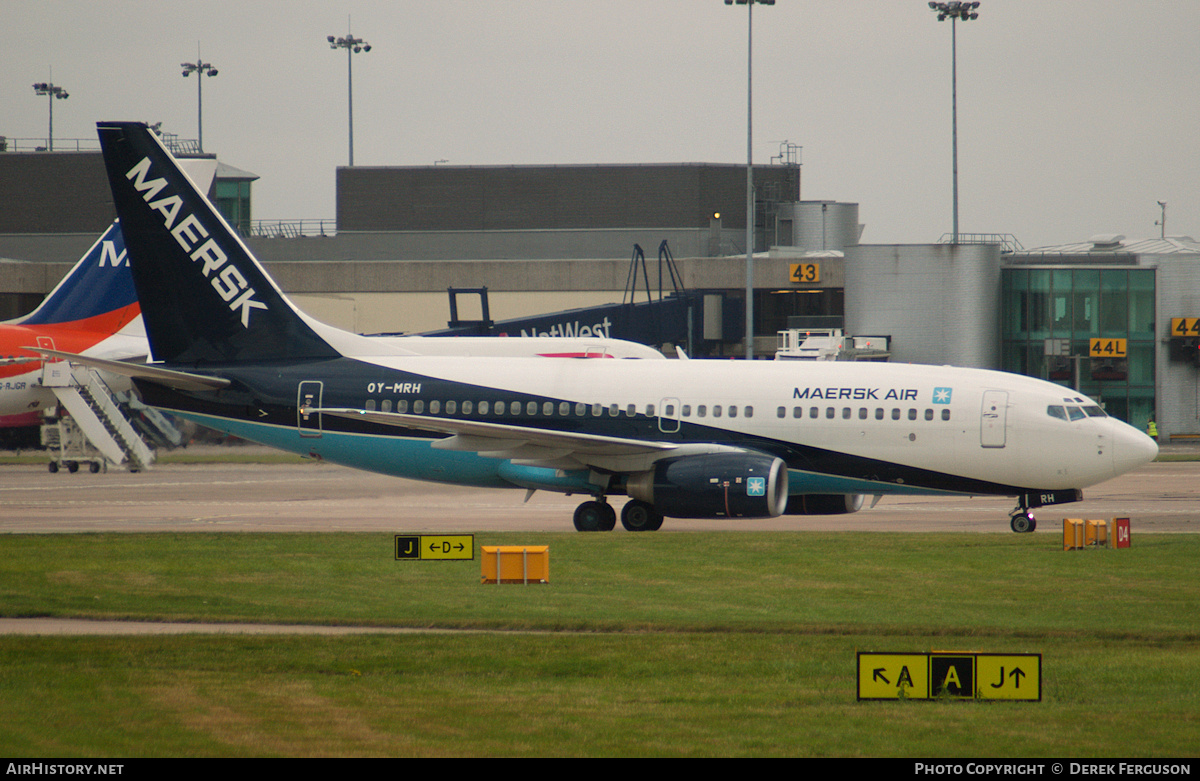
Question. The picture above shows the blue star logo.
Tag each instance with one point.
(756, 486)
(942, 395)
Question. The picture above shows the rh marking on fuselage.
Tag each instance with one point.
(856, 394)
(228, 280)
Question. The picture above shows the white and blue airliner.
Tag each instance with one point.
(679, 438)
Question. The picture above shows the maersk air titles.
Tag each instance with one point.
(860, 394)
(699, 439)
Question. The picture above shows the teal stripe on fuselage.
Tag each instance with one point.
(415, 459)
(396, 456)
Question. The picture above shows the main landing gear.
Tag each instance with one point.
(1022, 521)
(595, 516)
(598, 515)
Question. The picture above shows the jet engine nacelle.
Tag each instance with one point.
(719, 485)
(825, 504)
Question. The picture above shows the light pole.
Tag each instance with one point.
(53, 93)
(352, 45)
(954, 11)
(750, 169)
(201, 69)
(1162, 233)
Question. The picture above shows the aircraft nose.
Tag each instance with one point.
(1131, 448)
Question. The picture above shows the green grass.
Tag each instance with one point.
(703, 644)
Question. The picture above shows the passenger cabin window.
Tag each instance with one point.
(401, 405)
(386, 406)
(370, 405)
(701, 410)
(435, 407)
(418, 406)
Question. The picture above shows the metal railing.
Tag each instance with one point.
(177, 145)
(41, 144)
(1007, 241)
(291, 229)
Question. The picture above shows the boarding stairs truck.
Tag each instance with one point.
(94, 412)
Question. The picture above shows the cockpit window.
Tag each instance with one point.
(1076, 413)
(1095, 412)
(1055, 411)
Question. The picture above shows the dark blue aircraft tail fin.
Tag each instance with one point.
(204, 297)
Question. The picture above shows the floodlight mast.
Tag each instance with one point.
(52, 92)
(750, 168)
(201, 69)
(352, 45)
(954, 11)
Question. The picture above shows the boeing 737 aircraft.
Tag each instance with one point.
(688, 439)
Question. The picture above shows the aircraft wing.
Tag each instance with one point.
(532, 446)
(168, 377)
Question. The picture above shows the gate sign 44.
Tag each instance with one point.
(1185, 326)
(1107, 348)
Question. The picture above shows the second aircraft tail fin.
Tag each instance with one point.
(98, 289)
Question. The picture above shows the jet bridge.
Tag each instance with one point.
(669, 314)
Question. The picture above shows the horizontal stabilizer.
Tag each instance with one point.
(172, 379)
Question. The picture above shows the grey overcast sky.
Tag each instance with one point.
(1075, 116)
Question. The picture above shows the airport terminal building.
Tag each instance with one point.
(1117, 319)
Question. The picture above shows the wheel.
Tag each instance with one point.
(638, 516)
(592, 516)
(72, 466)
(610, 518)
(94, 467)
(1023, 523)
(53, 465)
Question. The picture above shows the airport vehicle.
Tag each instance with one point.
(682, 438)
(92, 311)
